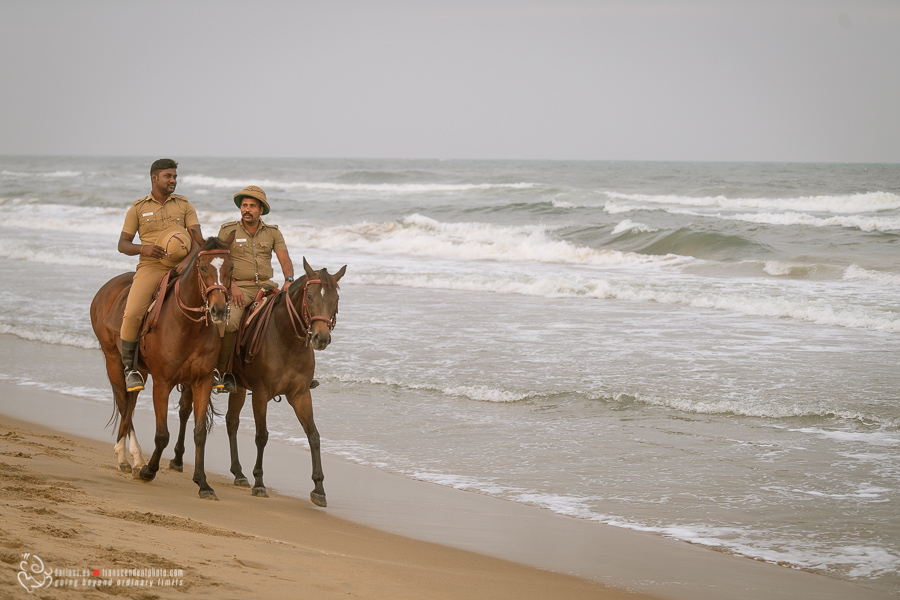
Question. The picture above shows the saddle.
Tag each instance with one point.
(114, 316)
(253, 326)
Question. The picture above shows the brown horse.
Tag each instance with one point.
(301, 321)
(182, 348)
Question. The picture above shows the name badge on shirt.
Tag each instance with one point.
(243, 240)
(149, 214)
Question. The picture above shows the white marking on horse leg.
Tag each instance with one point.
(119, 449)
(217, 263)
(135, 450)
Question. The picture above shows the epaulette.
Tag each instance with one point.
(144, 199)
(272, 226)
(229, 224)
(179, 197)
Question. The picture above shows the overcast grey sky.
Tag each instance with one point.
(760, 80)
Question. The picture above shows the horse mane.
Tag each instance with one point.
(324, 276)
(210, 243)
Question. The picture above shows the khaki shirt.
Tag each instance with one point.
(148, 219)
(252, 254)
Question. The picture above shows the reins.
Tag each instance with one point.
(203, 311)
(304, 319)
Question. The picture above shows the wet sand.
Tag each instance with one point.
(62, 499)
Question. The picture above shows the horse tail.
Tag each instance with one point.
(211, 412)
(129, 414)
(114, 418)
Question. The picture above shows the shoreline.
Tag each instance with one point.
(424, 521)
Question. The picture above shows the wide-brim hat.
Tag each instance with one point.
(253, 191)
(176, 242)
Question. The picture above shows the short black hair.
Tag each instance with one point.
(161, 165)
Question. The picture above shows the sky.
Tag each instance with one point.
(688, 80)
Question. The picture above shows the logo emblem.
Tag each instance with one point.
(33, 574)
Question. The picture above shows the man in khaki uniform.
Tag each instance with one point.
(251, 254)
(155, 213)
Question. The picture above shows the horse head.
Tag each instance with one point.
(320, 304)
(215, 268)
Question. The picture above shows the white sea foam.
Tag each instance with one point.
(418, 235)
(379, 188)
(870, 493)
(629, 225)
(50, 337)
(863, 223)
(698, 294)
(479, 392)
(87, 393)
(80, 219)
(51, 174)
(848, 204)
(875, 438)
(15, 251)
(866, 223)
(856, 273)
(856, 561)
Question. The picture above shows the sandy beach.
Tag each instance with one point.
(62, 499)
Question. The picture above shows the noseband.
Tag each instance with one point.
(203, 311)
(305, 318)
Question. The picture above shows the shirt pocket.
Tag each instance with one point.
(154, 222)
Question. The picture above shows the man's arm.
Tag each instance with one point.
(196, 243)
(287, 267)
(128, 247)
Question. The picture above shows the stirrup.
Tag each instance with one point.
(223, 384)
(218, 382)
(133, 381)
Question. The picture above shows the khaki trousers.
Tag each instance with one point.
(146, 280)
(249, 291)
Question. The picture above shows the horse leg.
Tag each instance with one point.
(302, 405)
(161, 390)
(120, 397)
(134, 449)
(201, 391)
(232, 422)
(185, 405)
(260, 404)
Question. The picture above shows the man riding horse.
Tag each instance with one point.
(251, 253)
(160, 214)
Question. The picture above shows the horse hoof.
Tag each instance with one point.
(241, 482)
(318, 499)
(260, 491)
(173, 466)
(146, 475)
(208, 495)
(124, 467)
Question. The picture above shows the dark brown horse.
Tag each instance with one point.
(301, 321)
(182, 348)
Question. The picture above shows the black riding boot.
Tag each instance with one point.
(133, 380)
(223, 381)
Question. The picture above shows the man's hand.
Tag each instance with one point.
(237, 296)
(153, 251)
(180, 267)
(286, 285)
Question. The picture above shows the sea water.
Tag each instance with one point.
(704, 351)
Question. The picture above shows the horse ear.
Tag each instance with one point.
(340, 273)
(309, 270)
(228, 240)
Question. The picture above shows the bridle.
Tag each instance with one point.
(305, 319)
(203, 311)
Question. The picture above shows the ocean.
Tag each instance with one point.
(705, 351)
